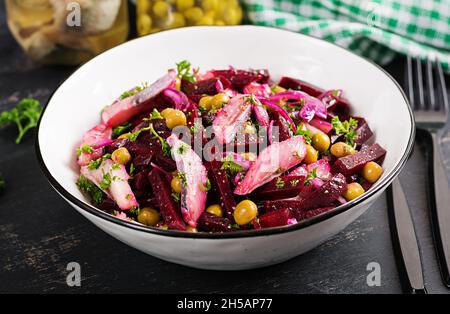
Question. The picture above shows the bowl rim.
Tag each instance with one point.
(90, 209)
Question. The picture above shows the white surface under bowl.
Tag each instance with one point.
(75, 107)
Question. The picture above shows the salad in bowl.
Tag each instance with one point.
(226, 150)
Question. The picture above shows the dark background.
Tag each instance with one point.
(40, 233)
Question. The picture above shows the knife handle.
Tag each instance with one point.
(440, 208)
(404, 240)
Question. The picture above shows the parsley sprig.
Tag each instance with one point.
(230, 165)
(346, 128)
(25, 115)
(165, 146)
(280, 183)
(91, 189)
(312, 175)
(95, 164)
(121, 129)
(185, 73)
(207, 186)
(134, 91)
(306, 134)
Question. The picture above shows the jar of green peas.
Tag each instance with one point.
(157, 15)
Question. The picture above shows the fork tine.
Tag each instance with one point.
(420, 84)
(442, 86)
(430, 85)
(409, 81)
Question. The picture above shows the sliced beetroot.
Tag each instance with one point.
(240, 78)
(284, 132)
(302, 215)
(352, 164)
(291, 204)
(326, 195)
(296, 84)
(149, 201)
(212, 223)
(221, 185)
(108, 205)
(275, 218)
(363, 132)
(204, 87)
(256, 224)
(169, 210)
(280, 188)
(140, 180)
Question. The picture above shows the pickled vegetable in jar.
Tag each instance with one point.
(157, 15)
(67, 31)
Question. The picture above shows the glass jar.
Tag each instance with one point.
(157, 15)
(67, 31)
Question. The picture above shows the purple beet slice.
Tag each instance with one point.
(275, 218)
(241, 78)
(363, 132)
(296, 84)
(284, 132)
(204, 87)
(169, 211)
(291, 204)
(212, 223)
(221, 184)
(280, 188)
(352, 164)
(324, 196)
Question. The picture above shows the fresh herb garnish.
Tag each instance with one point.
(84, 149)
(207, 186)
(95, 164)
(106, 181)
(230, 165)
(295, 182)
(155, 115)
(25, 115)
(176, 196)
(184, 71)
(91, 189)
(135, 210)
(280, 183)
(134, 91)
(134, 135)
(115, 166)
(306, 134)
(346, 128)
(182, 177)
(121, 129)
(164, 145)
(312, 175)
(131, 169)
(182, 148)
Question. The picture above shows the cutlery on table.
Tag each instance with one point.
(404, 239)
(431, 112)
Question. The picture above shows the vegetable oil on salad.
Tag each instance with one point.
(157, 15)
(67, 31)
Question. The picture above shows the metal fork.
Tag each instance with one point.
(431, 113)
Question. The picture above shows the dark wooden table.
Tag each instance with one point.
(40, 233)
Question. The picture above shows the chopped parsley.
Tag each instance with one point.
(306, 134)
(280, 183)
(25, 115)
(185, 73)
(84, 149)
(91, 189)
(230, 165)
(134, 135)
(182, 148)
(95, 164)
(134, 91)
(182, 177)
(312, 175)
(135, 210)
(155, 115)
(207, 186)
(164, 145)
(106, 181)
(176, 196)
(295, 182)
(121, 129)
(346, 128)
(131, 169)
(115, 166)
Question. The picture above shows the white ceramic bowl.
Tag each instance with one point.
(76, 105)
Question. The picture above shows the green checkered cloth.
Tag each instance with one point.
(375, 29)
